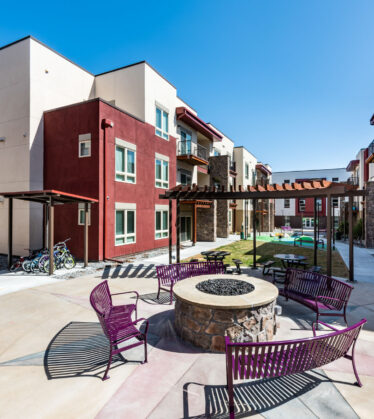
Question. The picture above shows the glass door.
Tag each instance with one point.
(186, 223)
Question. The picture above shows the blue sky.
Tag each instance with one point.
(292, 81)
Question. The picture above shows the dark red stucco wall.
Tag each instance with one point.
(64, 170)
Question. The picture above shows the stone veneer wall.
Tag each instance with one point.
(219, 169)
(206, 223)
(206, 327)
(369, 215)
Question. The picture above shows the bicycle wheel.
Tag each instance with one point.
(46, 266)
(42, 262)
(69, 262)
(26, 266)
(16, 266)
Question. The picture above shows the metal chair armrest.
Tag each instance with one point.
(329, 298)
(128, 292)
(144, 320)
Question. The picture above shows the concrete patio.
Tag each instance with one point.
(53, 354)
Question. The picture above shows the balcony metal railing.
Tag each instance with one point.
(371, 148)
(193, 149)
(262, 181)
(233, 166)
(353, 180)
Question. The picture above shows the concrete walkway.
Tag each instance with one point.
(363, 261)
(53, 353)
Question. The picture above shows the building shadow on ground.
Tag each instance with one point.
(253, 397)
(129, 271)
(79, 349)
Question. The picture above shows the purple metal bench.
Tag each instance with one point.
(168, 275)
(275, 359)
(324, 295)
(116, 321)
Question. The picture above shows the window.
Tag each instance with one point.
(162, 172)
(335, 179)
(162, 222)
(287, 221)
(301, 205)
(319, 205)
(216, 152)
(162, 123)
(230, 217)
(185, 177)
(247, 171)
(81, 215)
(286, 181)
(335, 202)
(308, 222)
(286, 203)
(125, 224)
(125, 161)
(84, 145)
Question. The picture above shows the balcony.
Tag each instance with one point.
(233, 171)
(192, 153)
(370, 158)
(353, 180)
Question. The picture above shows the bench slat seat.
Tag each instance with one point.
(168, 275)
(254, 360)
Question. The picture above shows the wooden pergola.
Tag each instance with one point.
(312, 189)
(48, 198)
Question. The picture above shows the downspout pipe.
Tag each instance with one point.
(105, 123)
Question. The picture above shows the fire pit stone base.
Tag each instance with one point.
(206, 327)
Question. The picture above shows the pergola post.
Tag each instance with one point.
(51, 225)
(315, 233)
(10, 232)
(254, 266)
(178, 225)
(328, 235)
(194, 220)
(170, 231)
(86, 210)
(350, 234)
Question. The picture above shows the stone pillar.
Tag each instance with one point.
(206, 223)
(219, 168)
(369, 215)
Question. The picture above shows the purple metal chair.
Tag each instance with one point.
(116, 321)
(276, 359)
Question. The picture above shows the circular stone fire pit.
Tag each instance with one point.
(209, 307)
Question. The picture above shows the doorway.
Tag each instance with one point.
(186, 224)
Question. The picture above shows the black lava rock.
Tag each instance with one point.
(225, 286)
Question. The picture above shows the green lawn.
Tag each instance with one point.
(243, 250)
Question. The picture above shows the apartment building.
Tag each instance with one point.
(299, 213)
(361, 173)
(122, 137)
(251, 172)
(33, 78)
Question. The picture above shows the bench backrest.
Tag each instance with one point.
(274, 359)
(316, 284)
(167, 274)
(101, 302)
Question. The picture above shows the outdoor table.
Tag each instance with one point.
(289, 260)
(215, 255)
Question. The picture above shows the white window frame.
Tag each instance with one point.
(128, 177)
(300, 205)
(162, 132)
(246, 170)
(162, 183)
(84, 138)
(164, 232)
(125, 208)
(80, 210)
(288, 203)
